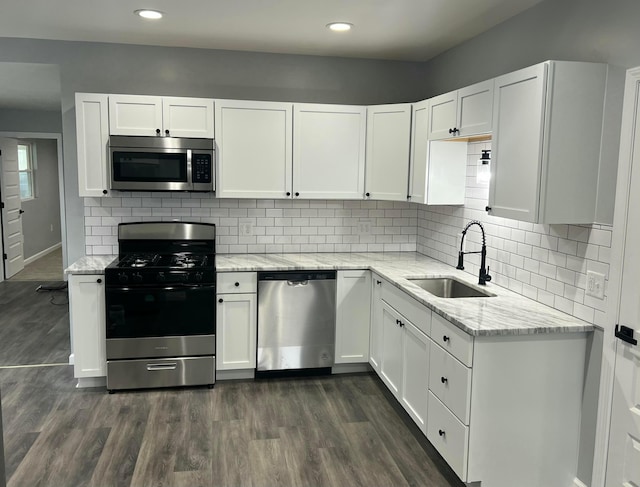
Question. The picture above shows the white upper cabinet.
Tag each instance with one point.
(92, 130)
(461, 113)
(438, 168)
(328, 151)
(388, 145)
(546, 142)
(155, 115)
(254, 143)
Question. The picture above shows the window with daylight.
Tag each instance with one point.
(25, 168)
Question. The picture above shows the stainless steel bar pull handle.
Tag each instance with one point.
(165, 366)
(297, 283)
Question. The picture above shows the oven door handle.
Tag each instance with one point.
(175, 287)
(162, 366)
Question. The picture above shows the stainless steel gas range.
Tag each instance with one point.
(160, 304)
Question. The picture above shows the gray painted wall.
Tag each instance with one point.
(115, 68)
(12, 120)
(41, 218)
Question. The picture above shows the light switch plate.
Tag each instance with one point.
(595, 284)
(245, 228)
(364, 227)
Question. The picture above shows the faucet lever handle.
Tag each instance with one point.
(487, 277)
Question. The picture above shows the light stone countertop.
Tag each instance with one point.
(507, 313)
(90, 264)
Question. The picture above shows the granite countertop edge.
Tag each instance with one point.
(508, 313)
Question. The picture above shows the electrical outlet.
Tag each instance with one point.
(595, 284)
(364, 227)
(245, 229)
(52, 227)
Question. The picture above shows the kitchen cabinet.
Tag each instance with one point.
(161, 116)
(462, 113)
(353, 316)
(328, 151)
(92, 131)
(391, 349)
(254, 149)
(236, 321)
(547, 131)
(88, 325)
(415, 378)
(375, 335)
(387, 154)
(438, 169)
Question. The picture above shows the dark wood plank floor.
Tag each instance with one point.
(328, 431)
(33, 330)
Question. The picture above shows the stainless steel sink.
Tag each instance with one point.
(447, 287)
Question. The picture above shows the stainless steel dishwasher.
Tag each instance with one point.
(296, 320)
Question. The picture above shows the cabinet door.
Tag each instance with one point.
(446, 172)
(518, 117)
(328, 151)
(254, 149)
(236, 332)
(87, 317)
(419, 147)
(375, 336)
(388, 146)
(353, 316)
(475, 109)
(92, 129)
(443, 110)
(135, 115)
(391, 349)
(415, 373)
(187, 117)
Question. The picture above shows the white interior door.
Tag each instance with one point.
(12, 208)
(623, 465)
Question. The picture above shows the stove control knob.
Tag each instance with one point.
(198, 276)
(122, 277)
(137, 277)
(161, 277)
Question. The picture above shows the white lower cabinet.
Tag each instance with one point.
(415, 380)
(391, 356)
(236, 321)
(375, 334)
(448, 435)
(353, 316)
(88, 323)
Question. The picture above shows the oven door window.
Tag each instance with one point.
(149, 167)
(154, 312)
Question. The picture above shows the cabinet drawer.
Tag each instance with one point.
(448, 435)
(452, 339)
(415, 312)
(450, 381)
(237, 282)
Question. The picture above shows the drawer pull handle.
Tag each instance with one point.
(441, 432)
(220, 300)
(397, 322)
(445, 338)
(237, 284)
(167, 366)
(378, 282)
(444, 380)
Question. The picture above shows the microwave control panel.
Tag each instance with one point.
(201, 168)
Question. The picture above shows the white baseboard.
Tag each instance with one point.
(91, 382)
(350, 368)
(42, 253)
(578, 483)
(235, 374)
(72, 359)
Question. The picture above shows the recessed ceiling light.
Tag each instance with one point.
(149, 14)
(340, 26)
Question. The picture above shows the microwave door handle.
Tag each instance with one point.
(189, 180)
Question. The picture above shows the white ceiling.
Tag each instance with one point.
(410, 30)
(407, 30)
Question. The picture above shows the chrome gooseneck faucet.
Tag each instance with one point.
(484, 276)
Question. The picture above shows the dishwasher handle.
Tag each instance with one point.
(296, 276)
(298, 283)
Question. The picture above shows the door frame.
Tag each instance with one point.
(63, 227)
(630, 107)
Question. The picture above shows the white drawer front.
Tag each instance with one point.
(237, 282)
(450, 380)
(448, 435)
(452, 339)
(415, 312)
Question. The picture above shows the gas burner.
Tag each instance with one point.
(188, 260)
(139, 260)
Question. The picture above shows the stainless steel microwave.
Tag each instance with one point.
(161, 164)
